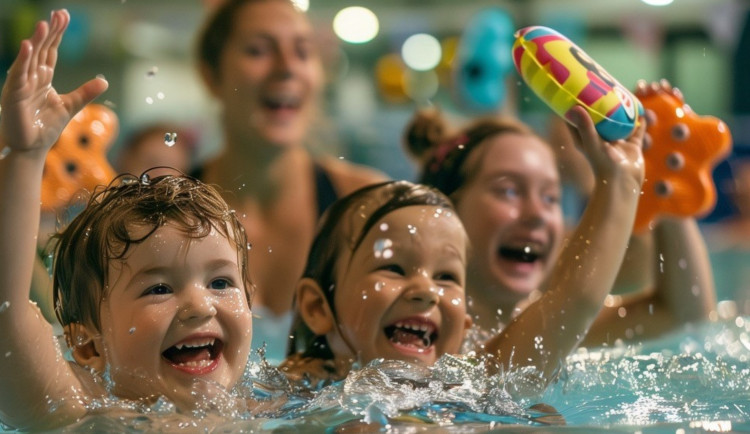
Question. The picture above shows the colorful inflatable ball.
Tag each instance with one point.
(563, 76)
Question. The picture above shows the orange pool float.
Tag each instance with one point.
(78, 160)
(682, 151)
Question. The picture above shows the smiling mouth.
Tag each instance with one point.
(527, 253)
(412, 335)
(281, 103)
(197, 356)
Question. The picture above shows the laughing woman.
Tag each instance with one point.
(259, 60)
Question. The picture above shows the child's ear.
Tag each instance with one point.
(313, 307)
(85, 345)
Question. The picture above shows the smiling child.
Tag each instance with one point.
(150, 279)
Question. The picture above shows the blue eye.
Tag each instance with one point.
(551, 199)
(159, 289)
(506, 192)
(220, 284)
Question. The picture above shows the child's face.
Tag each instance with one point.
(511, 211)
(176, 318)
(400, 295)
(271, 73)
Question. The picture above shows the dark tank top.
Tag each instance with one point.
(324, 191)
(326, 194)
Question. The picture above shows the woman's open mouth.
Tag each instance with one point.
(412, 335)
(525, 253)
(197, 356)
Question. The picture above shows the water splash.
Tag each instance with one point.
(170, 139)
(382, 248)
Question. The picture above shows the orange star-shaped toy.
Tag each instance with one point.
(682, 151)
(78, 160)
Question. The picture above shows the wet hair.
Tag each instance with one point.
(217, 30)
(443, 154)
(335, 237)
(103, 232)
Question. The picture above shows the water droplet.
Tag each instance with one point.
(270, 249)
(682, 263)
(412, 229)
(382, 248)
(8, 354)
(379, 286)
(384, 227)
(160, 95)
(170, 139)
(149, 100)
(4, 306)
(145, 179)
(249, 246)
(4, 153)
(132, 330)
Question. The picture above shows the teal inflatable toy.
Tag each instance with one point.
(483, 60)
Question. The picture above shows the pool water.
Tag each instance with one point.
(694, 380)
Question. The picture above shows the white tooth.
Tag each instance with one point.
(423, 328)
(399, 325)
(179, 346)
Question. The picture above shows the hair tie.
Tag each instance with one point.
(446, 148)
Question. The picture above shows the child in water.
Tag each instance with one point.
(150, 279)
(386, 274)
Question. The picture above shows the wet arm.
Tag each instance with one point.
(549, 328)
(33, 115)
(683, 292)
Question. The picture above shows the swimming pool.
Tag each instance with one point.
(693, 380)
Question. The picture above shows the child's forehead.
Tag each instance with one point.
(412, 223)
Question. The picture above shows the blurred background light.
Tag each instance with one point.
(421, 52)
(657, 2)
(356, 25)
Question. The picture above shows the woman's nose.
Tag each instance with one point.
(534, 210)
(285, 63)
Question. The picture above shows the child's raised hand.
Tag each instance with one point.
(33, 113)
(609, 160)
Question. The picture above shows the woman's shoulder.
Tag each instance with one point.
(347, 176)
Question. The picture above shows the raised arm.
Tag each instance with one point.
(33, 116)
(549, 328)
(683, 290)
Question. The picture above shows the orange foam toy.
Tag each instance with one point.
(78, 160)
(683, 150)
